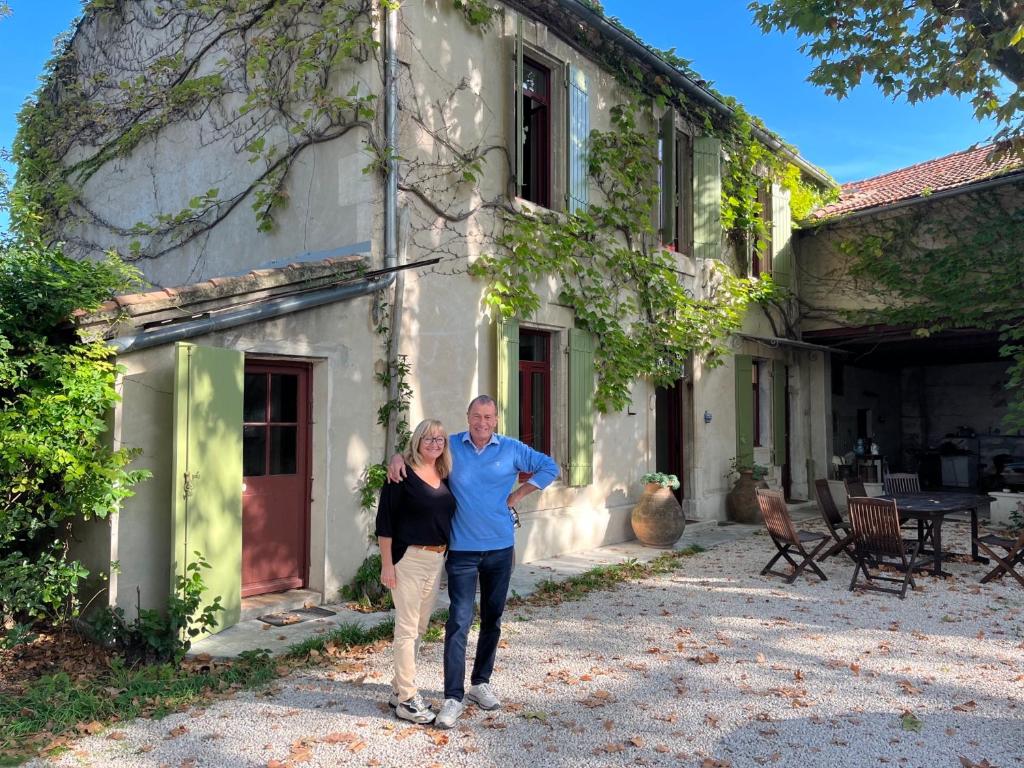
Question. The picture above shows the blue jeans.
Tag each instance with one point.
(494, 570)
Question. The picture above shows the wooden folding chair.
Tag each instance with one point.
(877, 541)
(836, 525)
(902, 482)
(786, 538)
(855, 488)
(1007, 564)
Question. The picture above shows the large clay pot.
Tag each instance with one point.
(657, 518)
(741, 502)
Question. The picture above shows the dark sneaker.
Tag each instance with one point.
(483, 696)
(451, 711)
(414, 710)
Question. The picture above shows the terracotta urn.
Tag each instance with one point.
(657, 518)
(741, 502)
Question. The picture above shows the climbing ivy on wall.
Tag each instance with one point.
(954, 263)
(619, 282)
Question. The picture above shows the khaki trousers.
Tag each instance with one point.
(417, 577)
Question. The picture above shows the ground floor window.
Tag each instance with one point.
(535, 389)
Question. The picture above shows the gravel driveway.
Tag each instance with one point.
(710, 666)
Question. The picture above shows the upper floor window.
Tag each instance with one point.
(675, 171)
(536, 131)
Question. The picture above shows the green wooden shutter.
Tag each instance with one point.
(668, 177)
(518, 135)
(778, 413)
(578, 121)
(782, 238)
(581, 407)
(707, 197)
(207, 471)
(744, 410)
(507, 396)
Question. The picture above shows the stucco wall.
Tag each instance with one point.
(344, 437)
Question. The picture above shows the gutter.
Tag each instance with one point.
(981, 186)
(255, 313)
(692, 89)
(776, 341)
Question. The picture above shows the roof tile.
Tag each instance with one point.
(956, 170)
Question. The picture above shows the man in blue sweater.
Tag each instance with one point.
(485, 468)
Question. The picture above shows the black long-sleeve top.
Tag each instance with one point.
(412, 512)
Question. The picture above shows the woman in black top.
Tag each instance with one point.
(414, 521)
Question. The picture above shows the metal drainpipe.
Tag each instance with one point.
(391, 210)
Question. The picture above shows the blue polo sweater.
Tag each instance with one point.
(481, 482)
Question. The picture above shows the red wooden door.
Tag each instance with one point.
(275, 458)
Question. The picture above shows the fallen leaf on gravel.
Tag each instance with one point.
(276, 763)
(174, 733)
(910, 722)
(93, 727)
(608, 724)
(966, 763)
(637, 741)
(188, 762)
(706, 658)
(535, 715)
(337, 738)
(405, 733)
(710, 762)
(908, 687)
(439, 738)
(967, 706)
(117, 735)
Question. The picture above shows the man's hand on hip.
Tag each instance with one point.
(396, 469)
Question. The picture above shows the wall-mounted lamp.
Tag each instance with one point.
(707, 417)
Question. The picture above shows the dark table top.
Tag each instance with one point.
(938, 501)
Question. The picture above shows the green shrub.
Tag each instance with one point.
(366, 589)
(56, 391)
(156, 635)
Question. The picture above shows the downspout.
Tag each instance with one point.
(391, 212)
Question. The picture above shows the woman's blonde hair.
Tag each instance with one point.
(429, 428)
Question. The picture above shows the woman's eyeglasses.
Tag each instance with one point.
(433, 440)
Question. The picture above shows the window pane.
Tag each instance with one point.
(533, 347)
(284, 397)
(539, 427)
(283, 450)
(535, 79)
(255, 397)
(254, 451)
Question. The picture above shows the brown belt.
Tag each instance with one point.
(431, 547)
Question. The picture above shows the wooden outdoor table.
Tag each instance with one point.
(932, 507)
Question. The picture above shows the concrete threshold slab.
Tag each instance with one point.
(253, 634)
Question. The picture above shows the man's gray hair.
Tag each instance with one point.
(481, 400)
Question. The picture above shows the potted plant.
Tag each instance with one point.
(657, 518)
(741, 502)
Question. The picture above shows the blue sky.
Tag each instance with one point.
(860, 137)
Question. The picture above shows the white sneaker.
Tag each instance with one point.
(483, 696)
(415, 710)
(451, 711)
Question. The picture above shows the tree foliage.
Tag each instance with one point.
(56, 465)
(951, 265)
(915, 49)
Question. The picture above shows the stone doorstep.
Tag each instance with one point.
(278, 602)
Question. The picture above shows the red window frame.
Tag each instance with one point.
(535, 400)
(536, 112)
